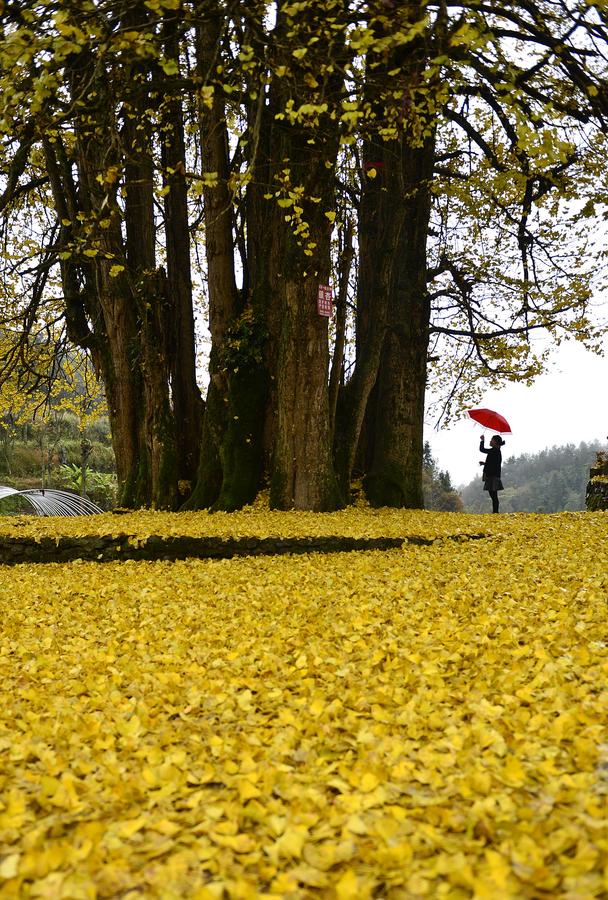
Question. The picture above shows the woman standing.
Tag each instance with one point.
(491, 468)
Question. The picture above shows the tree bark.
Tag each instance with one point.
(303, 475)
(231, 460)
(380, 225)
(185, 393)
(395, 475)
(153, 479)
(380, 410)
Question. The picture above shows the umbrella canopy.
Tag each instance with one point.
(491, 420)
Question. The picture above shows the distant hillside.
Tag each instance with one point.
(550, 481)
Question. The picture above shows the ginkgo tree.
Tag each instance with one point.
(136, 136)
(398, 119)
(497, 154)
(92, 90)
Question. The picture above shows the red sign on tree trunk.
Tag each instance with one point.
(324, 300)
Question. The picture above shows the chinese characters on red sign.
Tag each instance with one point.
(324, 300)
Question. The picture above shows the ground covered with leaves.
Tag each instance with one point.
(423, 722)
(257, 521)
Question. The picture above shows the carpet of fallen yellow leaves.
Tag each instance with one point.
(252, 522)
(425, 722)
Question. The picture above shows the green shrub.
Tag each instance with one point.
(25, 459)
(102, 458)
(14, 506)
(101, 487)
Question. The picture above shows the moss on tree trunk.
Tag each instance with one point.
(241, 451)
(232, 457)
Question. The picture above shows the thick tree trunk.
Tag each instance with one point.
(231, 458)
(154, 477)
(185, 393)
(123, 394)
(102, 318)
(303, 475)
(109, 342)
(381, 220)
(268, 400)
(395, 476)
(380, 411)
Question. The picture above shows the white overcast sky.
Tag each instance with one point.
(567, 405)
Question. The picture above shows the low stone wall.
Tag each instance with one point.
(597, 486)
(15, 550)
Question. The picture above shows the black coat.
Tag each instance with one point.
(493, 461)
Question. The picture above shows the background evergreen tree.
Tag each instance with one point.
(439, 492)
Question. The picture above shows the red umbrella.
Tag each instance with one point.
(491, 420)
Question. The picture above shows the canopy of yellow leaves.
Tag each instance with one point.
(425, 722)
